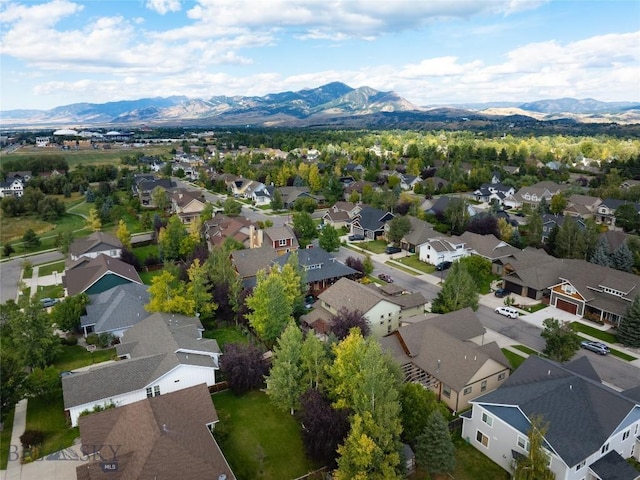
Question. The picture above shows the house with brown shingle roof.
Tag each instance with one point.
(383, 311)
(221, 227)
(446, 354)
(94, 245)
(169, 436)
(489, 247)
(532, 195)
(187, 204)
(281, 239)
(583, 206)
(161, 354)
(95, 275)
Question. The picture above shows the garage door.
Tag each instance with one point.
(566, 306)
(513, 288)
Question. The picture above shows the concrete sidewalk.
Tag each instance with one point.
(14, 466)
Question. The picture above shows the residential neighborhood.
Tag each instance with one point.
(198, 295)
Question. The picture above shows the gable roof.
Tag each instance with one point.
(431, 346)
(83, 274)
(420, 232)
(156, 345)
(488, 246)
(326, 265)
(119, 307)
(160, 437)
(96, 242)
(566, 400)
(372, 219)
(248, 262)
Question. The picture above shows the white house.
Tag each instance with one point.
(95, 244)
(443, 249)
(591, 428)
(163, 353)
(11, 188)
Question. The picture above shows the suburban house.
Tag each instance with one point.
(591, 428)
(12, 188)
(23, 175)
(443, 249)
(95, 244)
(145, 184)
(489, 247)
(383, 311)
(532, 195)
(551, 221)
(440, 206)
(340, 214)
(291, 194)
(420, 232)
(630, 184)
(188, 205)
(407, 182)
(447, 355)
(321, 268)
(250, 190)
(248, 262)
(358, 187)
(262, 196)
(528, 273)
(583, 206)
(221, 227)
(170, 436)
(161, 354)
(370, 222)
(493, 192)
(95, 275)
(281, 239)
(115, 310)
(606, 213)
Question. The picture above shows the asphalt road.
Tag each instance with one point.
(10, 272)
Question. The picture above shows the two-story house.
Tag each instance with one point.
(606, 213)
(550, 221)
(582, 206)
(591, 428)
(95, 244)
(370, 222)
(443, 249)
(163, 353)
(281, 239)
(447, 355)
(383, 312)
(11, 188)
(188, 205)
(532, 195)
(493, 193)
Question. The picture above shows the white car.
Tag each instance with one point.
(507, 312)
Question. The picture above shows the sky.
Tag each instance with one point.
(431, 52)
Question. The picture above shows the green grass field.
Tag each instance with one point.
(527, 350)
(226, 335)
(394, 264)
(47, 415)
(147, 277)
(76, 356)
(5, 440)
(414, 262)
(263, 442)
(48, 269)
(13, 228)
(514, 359)
(594, 332)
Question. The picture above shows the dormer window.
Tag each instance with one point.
(282, 243)
(569, 289)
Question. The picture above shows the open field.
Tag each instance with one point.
(87, 157)
(13, 228)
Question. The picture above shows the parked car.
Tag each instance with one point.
(507, 312)
(443, 266)
(309, 301)
(598, 347)
(501, 292)
(355, 238)
(391, 250)
(385, 277)
(48, 302)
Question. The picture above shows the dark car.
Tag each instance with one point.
(387, 278)
(599, 348)
(355, 238)
(391, 250)
(501, 292)
(443, 266)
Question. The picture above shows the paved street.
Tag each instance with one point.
(10, 272)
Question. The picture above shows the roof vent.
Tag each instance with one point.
(222, 476)
(548, 372)
(570, 387)
(438, 367)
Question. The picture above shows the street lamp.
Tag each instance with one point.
(441, 264)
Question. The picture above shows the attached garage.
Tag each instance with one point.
(566, 306)
(513, 287)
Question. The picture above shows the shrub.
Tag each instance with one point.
(92, 339)
(152, 260)
(105, 339)
(71, 340)
(31, 438)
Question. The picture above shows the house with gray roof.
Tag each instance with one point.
(169, 436)
(370, 222)
(163, 353)
(528, 272)
(443, 249)
(94, 245)
(489, 247)
(591, 428)
(551, 221)
(383, 311)
(95, 275)
(606, 213)
(532, 195)
(583, 206)
(419, 233)
(281, 239)
(321, 268)
(248, 262)
(447, 355)
(187, 204)
(115, 310)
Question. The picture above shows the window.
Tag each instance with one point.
(625, 435)
(523, 442)
(488, 419)
(502, 376)
(581, 465)
(282, 243)
(149, 392)
(389, 329)
(446, 391)
(569, 289)
(482, 438)
(467, 390)
(605, 448)
(483, 386)
(156, 390)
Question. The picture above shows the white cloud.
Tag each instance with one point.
(163, 6)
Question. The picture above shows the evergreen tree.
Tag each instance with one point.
(276, 201)
(622, 258)
(30, 239)
(534, 466)
(629, 328)
(285, 382)
(329, 239)
(570, 240)
(417, 404)
(534, 230)
(600, 254)
(435, 451)
(550, 245)
(459, 290)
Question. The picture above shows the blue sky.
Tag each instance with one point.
(428, 51)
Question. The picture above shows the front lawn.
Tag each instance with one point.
(50, 268)
(76, 356)
(395, 264)
(594, 332)
(514, 359)
(527, 350)
(414, 262)
(5, 440)
(47, 415)
(49, 291)
(263, 442)
(375, 246)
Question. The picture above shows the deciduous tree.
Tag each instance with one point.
(459, 291)
(535, 465)
(329, 239)
(285, 382)
(13, 377)
(304, 228)
(123, 234)
(562, 341)
(33, 338)
(168, 294)
(93, 221)
(170, 239)
(66, 314)
(271, 307)
(345, 320)
(276, 200)
(398, 228)
(243, 367)
(417, 403)
(198, 289)
(232, 208)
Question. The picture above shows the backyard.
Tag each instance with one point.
(263, 442)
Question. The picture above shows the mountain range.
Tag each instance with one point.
(334, 104)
